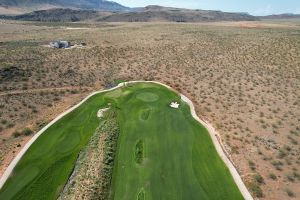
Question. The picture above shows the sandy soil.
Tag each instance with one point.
(14, 145)
(79, 28)
(15, 92)
(255, 24)
(242, 80)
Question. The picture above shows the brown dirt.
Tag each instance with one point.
(256, 24)
(10, 146)
(243, 78)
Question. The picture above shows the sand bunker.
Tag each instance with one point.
(101, 112)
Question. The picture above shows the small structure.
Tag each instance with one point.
(174, 105)
(60, 44)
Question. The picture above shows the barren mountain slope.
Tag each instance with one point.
(82, 4)
(147, 14)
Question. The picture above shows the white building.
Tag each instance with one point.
(60, 44)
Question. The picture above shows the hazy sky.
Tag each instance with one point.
(255, 7)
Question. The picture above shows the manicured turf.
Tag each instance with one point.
(47, 164)
(179, 160)
(163, 153)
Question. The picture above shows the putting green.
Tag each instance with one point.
(162, 153)
(147, 97)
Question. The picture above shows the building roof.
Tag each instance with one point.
(60, 44)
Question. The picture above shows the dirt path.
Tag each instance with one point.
(213, 133)
(14, 92)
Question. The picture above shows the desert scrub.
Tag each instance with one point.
(91, 178)
(272, 73)
(88, 162)
(281, 154)
(254, 185)
(111, 130)
(252, 165)
(16, 134)
(27, 131)
(273, 176)
(289, 192)
(258, 178)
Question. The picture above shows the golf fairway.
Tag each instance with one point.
(162, 153)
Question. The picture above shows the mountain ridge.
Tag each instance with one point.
(281, 16)
(147, 14)
(74, 4)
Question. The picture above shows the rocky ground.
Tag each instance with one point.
(91, 178)
(243, 77)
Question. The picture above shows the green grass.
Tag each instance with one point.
(178, 159)
(46, 166)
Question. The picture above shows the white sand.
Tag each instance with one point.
(101, 112)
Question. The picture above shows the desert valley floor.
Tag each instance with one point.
(243, 77)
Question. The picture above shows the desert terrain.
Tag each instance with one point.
(243, 77)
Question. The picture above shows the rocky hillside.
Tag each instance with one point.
(57, 15)
(158, 13)
(81, 4)
(281, 16)
(147, 14)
